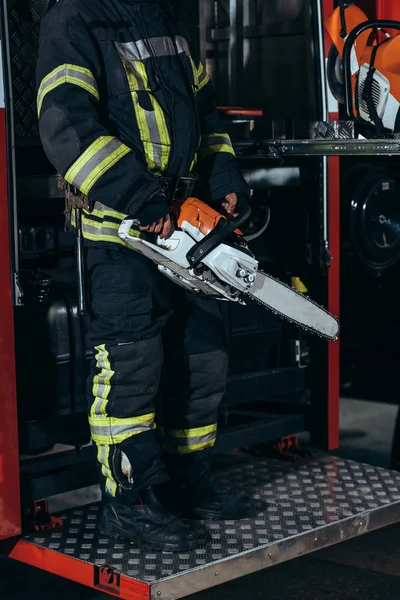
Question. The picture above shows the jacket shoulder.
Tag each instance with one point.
(65, 11)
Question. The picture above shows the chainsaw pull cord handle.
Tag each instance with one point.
(221, 232)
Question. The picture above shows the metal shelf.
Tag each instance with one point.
(309, 147)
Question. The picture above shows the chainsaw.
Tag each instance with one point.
(207, 254)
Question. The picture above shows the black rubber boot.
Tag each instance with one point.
(201, 497)
(147, 522)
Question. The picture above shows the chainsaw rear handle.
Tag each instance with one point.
(221, 232)
(351, 39)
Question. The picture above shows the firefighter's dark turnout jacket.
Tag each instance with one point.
(122, 101)
(123, 106)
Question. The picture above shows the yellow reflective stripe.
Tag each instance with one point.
(105, 212)
(213, 143)
(87, 155)
(210, 150)
(101, 382)
(141, 70)
(152, 125)
(103, 456)
(193, 163)
(202, 77)
(136, 75)
(187, 449)
(144, 131)
(67, 73)
(102, 237)
(96, 160)
(188, 433)
(105, 421)
(207, 136)
(111, 487)
(112, 430)
(164, 135)
(103, 167)
(195, 76)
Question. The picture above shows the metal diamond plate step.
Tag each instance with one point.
(303, 506)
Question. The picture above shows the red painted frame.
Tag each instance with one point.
(75, 570)
(388, 9)
(10, 511)
(334, 272)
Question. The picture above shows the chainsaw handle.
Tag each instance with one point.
(346, 60)
(221, 232)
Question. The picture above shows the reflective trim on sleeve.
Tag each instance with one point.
(96, 160)
(111, 431)
(184, 441)
(202, 77)
(105, 230)
(213, 143)
(67, 74)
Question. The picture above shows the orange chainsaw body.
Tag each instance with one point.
(199, 214)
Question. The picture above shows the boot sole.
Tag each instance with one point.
(114, 532)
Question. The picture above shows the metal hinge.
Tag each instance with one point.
(18, 292)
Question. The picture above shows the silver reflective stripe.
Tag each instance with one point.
(182, 44)
(68, 74)
(112, 431)
(103, 230)
(95, 160)
(215, 140)
(102, 455)
(111, 487)
(106, 472)
(155, 138)
(158, 46)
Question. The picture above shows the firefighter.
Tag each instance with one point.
(127, 116)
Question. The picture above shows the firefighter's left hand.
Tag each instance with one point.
(229, 204)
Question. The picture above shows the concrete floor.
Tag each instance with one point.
(366, 568)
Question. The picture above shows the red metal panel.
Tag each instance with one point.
(10, 519)
(75, 570)
(334, 273)
(388, 9)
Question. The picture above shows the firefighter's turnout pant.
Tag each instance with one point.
(158, 374)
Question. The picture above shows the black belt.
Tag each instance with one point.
(178, 189)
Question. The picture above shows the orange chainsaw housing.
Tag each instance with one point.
(198, 214)
(387, 60)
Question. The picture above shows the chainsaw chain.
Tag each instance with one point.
(276, 312)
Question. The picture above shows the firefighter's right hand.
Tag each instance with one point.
(162, 227)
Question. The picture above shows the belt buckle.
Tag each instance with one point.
(184, 187)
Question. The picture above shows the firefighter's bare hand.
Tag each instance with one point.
(229, 205)
(161, 227)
